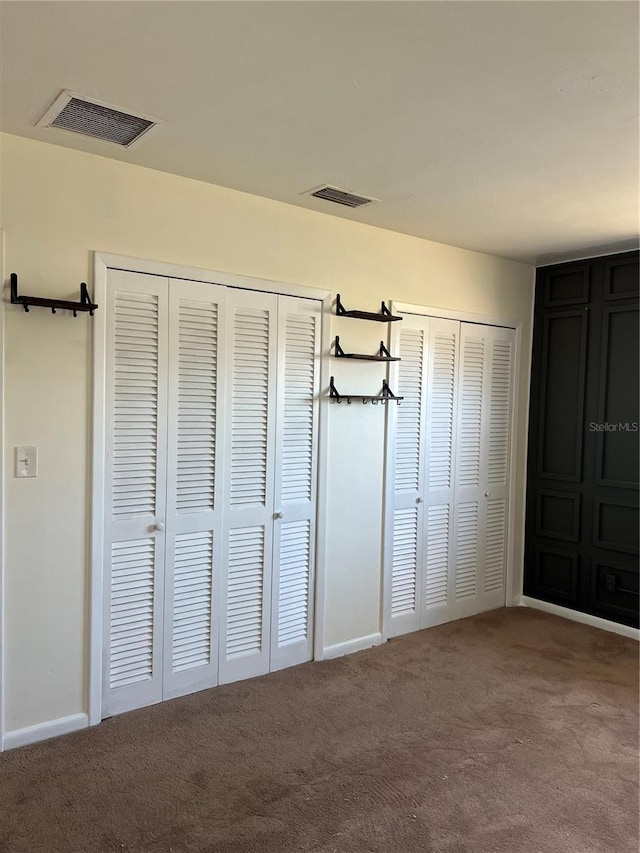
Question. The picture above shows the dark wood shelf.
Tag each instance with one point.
(384, 316)
(383, 353)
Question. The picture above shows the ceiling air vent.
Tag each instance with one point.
(89, 117)
(343, 197)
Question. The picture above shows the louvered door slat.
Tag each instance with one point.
(244, 595)
(197, 356)
(297, 427)
(500, 423)
(470, 411)
(249, 406)
(404, 566)
(438, 534)
(443, 355)
(135, 392)
(193, 583)
(466, 549)
(293, 591)
(495, 522)
(132, 584)
(409, 415)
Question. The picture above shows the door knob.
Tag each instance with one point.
(419, 500)
(278, 514)
(159, 527)
(487, 493)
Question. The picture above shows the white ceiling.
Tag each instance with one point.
(509, 128)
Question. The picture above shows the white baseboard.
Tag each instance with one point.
(337, 650)
(577, 616)
(44, 731)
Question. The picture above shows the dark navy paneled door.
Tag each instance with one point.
(582, 494)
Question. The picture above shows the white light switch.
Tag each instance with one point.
(26, 461)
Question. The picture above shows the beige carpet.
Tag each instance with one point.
(514, 732)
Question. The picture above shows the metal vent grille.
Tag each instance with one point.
(101, 122)
(89, 117)
(341, 197)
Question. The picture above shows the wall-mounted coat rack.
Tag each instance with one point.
(85, 304)
(385, 316)
(382, 355)
(383, 397)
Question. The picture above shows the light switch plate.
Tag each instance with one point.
(26, 461)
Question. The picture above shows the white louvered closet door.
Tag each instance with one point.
(135, 471)
(482, 469)
(440, 450)
(498, 385)
(294, 533)
(404, 541)
(194, 486)
(249, 424)
(471, 463)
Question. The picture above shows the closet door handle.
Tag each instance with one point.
(419, 500)
(487, 493)
(278, 515)
(159, 527)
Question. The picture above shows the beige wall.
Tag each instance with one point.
(57, 206)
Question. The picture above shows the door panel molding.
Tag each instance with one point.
(629, 290)
(576, 291)
(610, 544)
(576, 407)
(571, 559)
(571, 535)
(605, 438)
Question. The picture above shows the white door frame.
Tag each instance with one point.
(390, 436)
(103, 262)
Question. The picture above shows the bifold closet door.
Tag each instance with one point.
(482, 468)
(135, 490)
(249, 426)
(296, 477)
(447, 511)
(211, 480)
(420, 551)
(193, 560)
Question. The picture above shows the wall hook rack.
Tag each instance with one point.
(385, 395)
(382, 355)
(85, 304)
(385, 316)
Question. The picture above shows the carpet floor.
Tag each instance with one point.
(514, 731)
